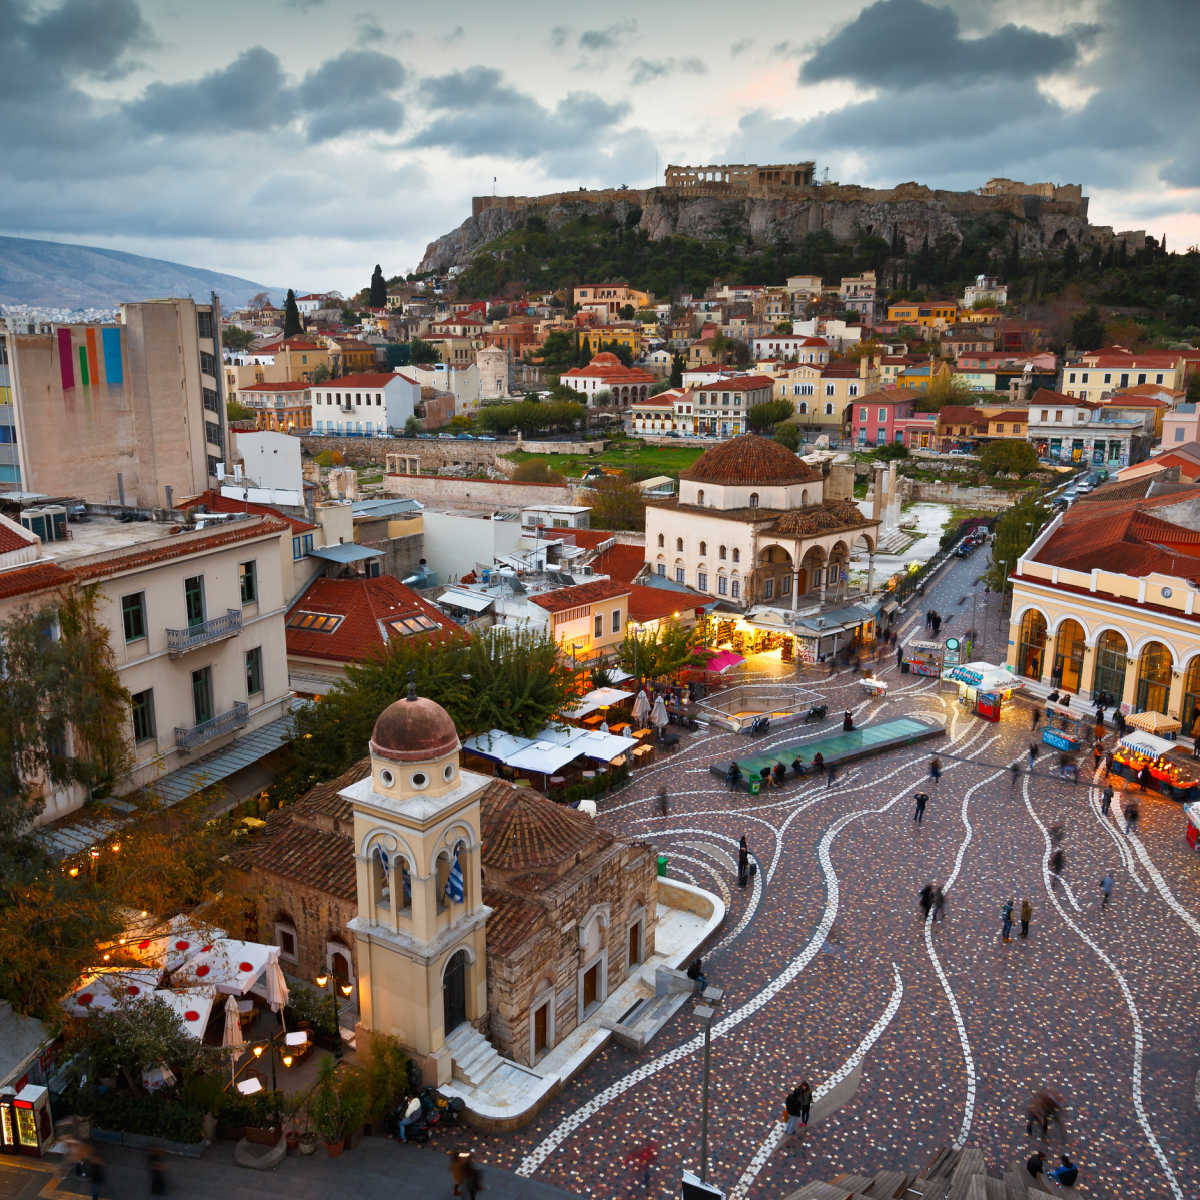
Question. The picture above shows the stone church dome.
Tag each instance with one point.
(414, 730)
(749, 460)
(523, 831)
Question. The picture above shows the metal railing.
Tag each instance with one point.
(214, 727)
(180, 641)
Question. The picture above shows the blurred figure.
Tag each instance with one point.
(158, 1176)
(1056, 868)
(663, 804)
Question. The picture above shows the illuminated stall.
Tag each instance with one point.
(984, 687)
(1146, 758)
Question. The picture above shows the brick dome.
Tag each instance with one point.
(523, 831)
(414, 730)
(749, 460)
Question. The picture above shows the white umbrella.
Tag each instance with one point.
(659, 716)
(232, 1039)
(277, 989)
(641, 708)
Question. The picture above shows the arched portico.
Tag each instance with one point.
(773, 571)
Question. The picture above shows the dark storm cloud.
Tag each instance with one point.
(352, 92)
(609, 37)
(89, 37)
(478, 113)
(251, 92)
(897, 43)
(643, 70)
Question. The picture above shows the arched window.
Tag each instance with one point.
(1154, 678)
(737, 555)
(1191, 697)
(753, 499)
(1031, 645)
(1068, 656)
(703, 549)
(804, 498)
(381, 883)
(679, 545)
(285, 935)
(700, 496)
(1112, 651)
(662, 541)
(721, 554)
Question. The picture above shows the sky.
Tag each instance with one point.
(299, 142)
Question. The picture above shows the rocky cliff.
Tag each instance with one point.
(909, 211)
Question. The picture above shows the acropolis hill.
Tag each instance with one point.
(785, 201)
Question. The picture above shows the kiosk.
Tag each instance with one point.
(922, 658)
(1192, 812)
(984, 687)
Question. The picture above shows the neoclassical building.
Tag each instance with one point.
(462, 907)
(752, 524)
(1107, 599)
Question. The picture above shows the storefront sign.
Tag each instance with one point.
(1059, 739)
(952, 654)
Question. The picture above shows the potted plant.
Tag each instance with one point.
(325, 1110)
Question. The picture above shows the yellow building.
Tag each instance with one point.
(1105, 601)
(625, 333)
(611, 296)
(933, 314)
(821, 392)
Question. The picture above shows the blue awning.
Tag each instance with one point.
(345, 552)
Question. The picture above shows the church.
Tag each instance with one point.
(462, 908)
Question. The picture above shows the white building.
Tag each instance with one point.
(367, 405)
(271, 460)
(721, 406)
(792, 346)
(462, 383)
(493, 364)
(986, 289)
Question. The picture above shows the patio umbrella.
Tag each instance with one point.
(658, 717)
(232, 1039)
(277, 989)
(1153, 722)
(641, 708)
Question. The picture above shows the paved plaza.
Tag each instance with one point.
(914, 1035)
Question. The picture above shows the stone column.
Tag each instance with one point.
(1131, 675)
(824, 573)
(870, 571)
(1175, 696)
(1087, 669)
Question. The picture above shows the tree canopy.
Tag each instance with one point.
(1014, 534)
(1087, 330)
(234, 337)
(659, 650)
(422, 353)
(617, 503)
(292, 325)
(536, 470)
(1008, 456)
(530, 417)
(377, 292)
(767, 415)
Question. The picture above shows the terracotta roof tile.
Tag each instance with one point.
(657, 604)
(289, 385)
(621, 562)
(747, 460)
(523, 831)
(820, 518)
(514, 922)
(312, 857)
(213, 501)
(33, 577)
(581, 593)
(16, 539)
(738, 383)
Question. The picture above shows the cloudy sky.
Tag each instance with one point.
(297, 142)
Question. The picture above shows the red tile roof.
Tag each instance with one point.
(366, 607)
(16, 539)
(369, 379)
(1047, 397)
(656, 604)
(1125, 400)
(738, 383)
(144, 555)
(290, 385)
(888, 396)
(621, 562)
(748, 460)
(581, 593)
(213, 501)
(607, 365)
(33, 577)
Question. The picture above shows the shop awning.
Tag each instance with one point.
(725, 661)
(599, 698)
(192, 1006)
(1148, 743)
(593, 743)
(104, 987)
(544, 757)
(170, 946)
(232, 967)
(1153, 722)
(984, 676)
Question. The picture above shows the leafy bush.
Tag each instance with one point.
(312, 1009)
(158, 1114)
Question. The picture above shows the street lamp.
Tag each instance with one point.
(328, 981)
(704, 1013)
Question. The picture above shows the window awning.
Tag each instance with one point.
(473, 601)
(345, 552)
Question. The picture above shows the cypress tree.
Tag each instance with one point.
(291, 316)
(378, 296)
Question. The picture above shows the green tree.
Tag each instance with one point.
(614, 347)
(730, 350)
(378, 290)
(559, 351)
(617, 503)
(767, 415)
(944, 388)
(322, 373)
(292, 325)
(677, 366)
(1087, 330)
(423, 353)
(1014, 534)
(234, 337)
(661, 650)
(412, 427)
(787, 433)
(626, 312)
(236, 411)
(536, 470)
(1008, 456)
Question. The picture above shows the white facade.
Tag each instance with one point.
(791, 346)
(462, 382)
(456, 542)
(271, 460)
(492, 363)
(364, 405)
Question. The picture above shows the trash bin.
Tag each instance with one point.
(662, 865)
(754, 786)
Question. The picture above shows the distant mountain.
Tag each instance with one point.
(61, 275)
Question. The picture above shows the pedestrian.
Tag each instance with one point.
(818, 763)
(922, 799)
(643, 1158)
(935, 770)
(1013, 772)
(830, 774)
(732, 776)
(1057, 832)
(1106, 800)
(939, 903)
(1056, 868)
(899, 657)
(798, 768)
(743, 862)
(1037, 719)
(798, 1104)
(832, 946)
(1026, 913)
(95, 1167)
(847, 721)
(1065, 1175)
(1006, 921)
(158, 1177)
(1106, 887)
(1132, 813)
(1033, 752)
(1036, 1164)
(76, 1157)
(926, 899)
(696, 974)
(778, 774)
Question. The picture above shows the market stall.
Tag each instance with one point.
(1154, 722)
(1192, 812)
(1147, 759)
(921, 658)
(1066, 728)
(985, 687)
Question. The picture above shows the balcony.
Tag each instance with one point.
(180, 641)
(207, 731)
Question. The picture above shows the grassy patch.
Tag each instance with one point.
(636, 459)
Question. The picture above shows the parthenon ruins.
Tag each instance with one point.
(742, 175)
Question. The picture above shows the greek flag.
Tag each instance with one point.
(382, 854)
(454, 882)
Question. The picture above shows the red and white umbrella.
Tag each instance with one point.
(193, 1007)
(230, 966)
(105, 987)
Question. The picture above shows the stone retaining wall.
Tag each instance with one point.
(475, 493)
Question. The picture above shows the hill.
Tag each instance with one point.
(61, 275)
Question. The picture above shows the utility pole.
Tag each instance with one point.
(705, 1014)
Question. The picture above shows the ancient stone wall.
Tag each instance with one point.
(475, 493)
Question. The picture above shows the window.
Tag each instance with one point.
(753, 499)
(254, 671)
(193, 600)
(1141, 377)
(212, 465)
(133, 616)
(1158, 378)
(829, 389)
(863, 414)
(212, 432)
(1058, 412)
(616, 620)
(702, 581)
(204, 325)
(807, 389)
(679, 575)
(1179, 435)
(285, 939)
(1071, 378)
(721, 553)
(661, 541)
(1000, 427)
(737, 554)
(853, 389)
(661, 570)
(301, 545)
(248, 581)
(768, 588)
(829, 410)
(208, 364)
(210, 400)
(735, 588)
(722, 585)
(679, 545)
(1107, 377)
(703, 549)
(599, 621)
(202, 698)
(141, 706)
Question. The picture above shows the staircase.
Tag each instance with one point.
(473, 1057)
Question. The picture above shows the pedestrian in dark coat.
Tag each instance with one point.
(1132, 813)
(939, 903)
(1106, 887)
(847, 721)
(1006, 921)
(926, 899)
(1036, 719)
(1026, 913)
(830, 774)
(743, 862)
(922, 799)
(935, 770)
(1106, 801)
(1056, 868)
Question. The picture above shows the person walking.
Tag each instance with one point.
(1106, 887)
(743, 862)
(1132, 813)
(95, 1168)
(830, 774)
(1036, 1164)
(922, 798)
(1026, 914)
(1056, 868)
(664, 805)
(1036, 720)
(1006, 921)
(158, 1176)
(1013, 772)
(1032, 756)
(1106, 799)
(732, 775)
(939, 903)
(935, 770)
(926, 900)
(1065, 1175)
(798, 1105)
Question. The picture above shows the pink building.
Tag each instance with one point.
(873, 417)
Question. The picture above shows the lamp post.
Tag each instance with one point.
(328, 980)
(704, 1013)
